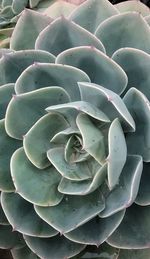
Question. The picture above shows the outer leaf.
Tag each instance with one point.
(117, 153)
(97, 230)
(55, 247)
(18, 5)
(28, 27)
(45, 181)
(13, 64)
(92, 12)
(75, 35)
(37, 140)
(136, 65)
(132, 6)
(108, 102)
(3, 219)
(9, 239)
(23, 218)
(143, 197)
(139, 107)
(24, 253)
(134, 254)
(43, 75)
(134, 230)
(73, 211)
(29, 107)
(101, 69)
(6, 92)
(134, 31)
(126, 191)
(7, 147)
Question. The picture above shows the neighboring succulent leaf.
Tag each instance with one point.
(3, 219)
(143, 197)
(76, 36)
(13, 64)
(55, 247)
(40, 135)
(101, 69)
(45, 182)
(23, 252)
(139, 108)
(125, 30)
(124, 194)
(6, 92)
(73, 211)
(134, 254)
(35, 77)
(7, 147)
(10, 239)
(29, 107)
(27, 29)
(92, 12)
(134, 6)
(23, 217)
(117, 153)
(97, 230)
(138, 61)
(108, 102)
(134, 230)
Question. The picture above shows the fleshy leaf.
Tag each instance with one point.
(59, 8)
(139, 107)
(143, 197)
(29, 107)
(3, 219)
(43, 75)
(53, 37)
(80, 106)
(83, 187)
(23, 217)
(136, 64)
(134, 254)
(45, 181)
(7, 148)
(92, 12)
(134, 230)
(117, 153)
(133, 6)
(73, 211)
(93, 139)
(125, 30)
(37, 140)
(72, 171)
(9, 239)
(27, 29)
(55, 247)
(6, 92)
(24, 253)
(126, 191)
(97, 230)
(13, 64)
(108, 102)
(101, 69)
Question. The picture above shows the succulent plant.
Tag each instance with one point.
(74, 134)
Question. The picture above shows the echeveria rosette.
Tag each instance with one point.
(74, 138)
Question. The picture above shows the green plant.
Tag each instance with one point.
(74, 138)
